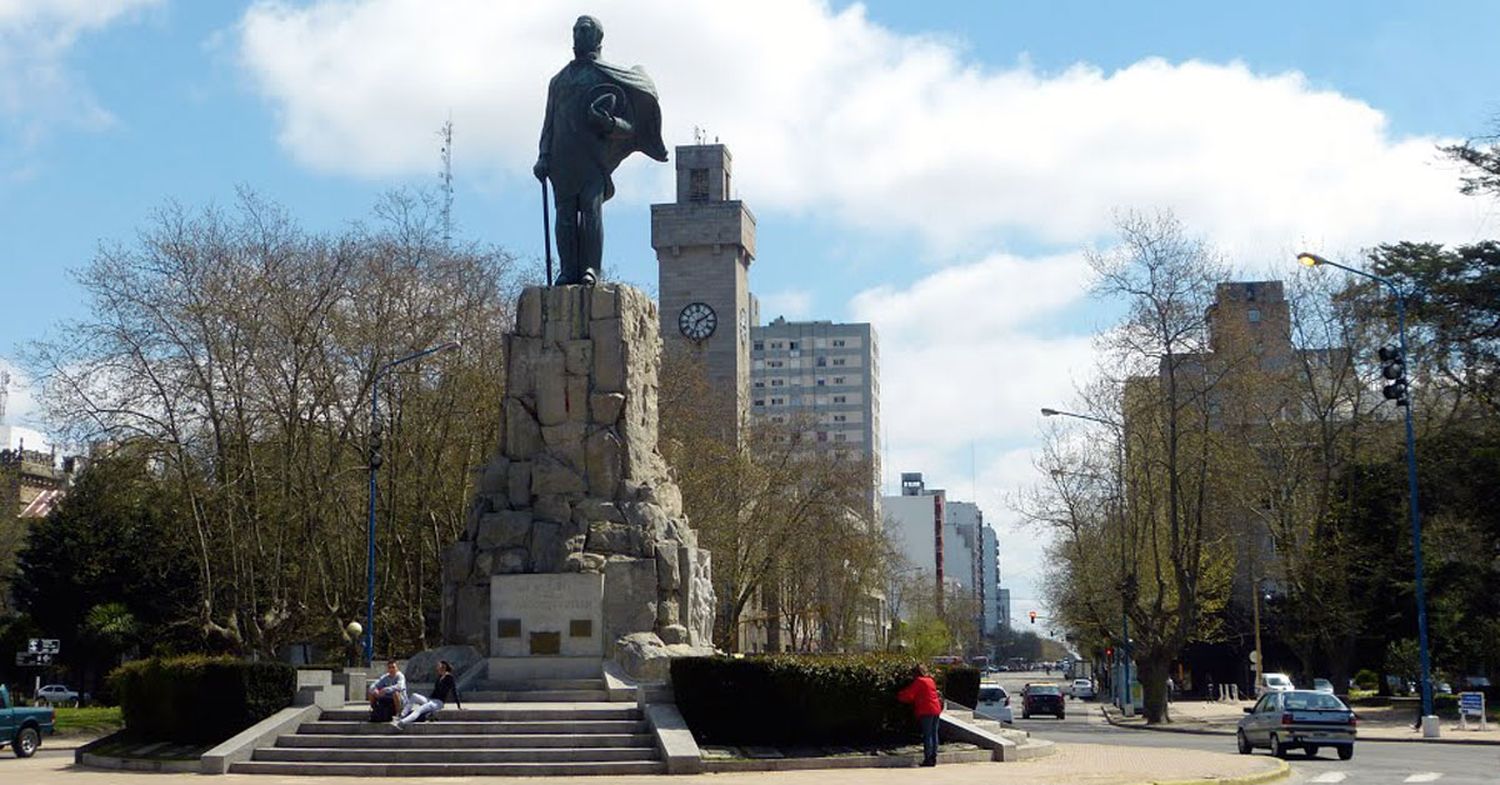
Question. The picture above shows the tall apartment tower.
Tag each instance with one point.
(705, 242)
(826, 375)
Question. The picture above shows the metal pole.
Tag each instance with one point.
(1416, 515)
(547, 230)
(1127, 705)
(370, 527)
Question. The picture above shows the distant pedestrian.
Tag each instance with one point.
(1213, 694)
(388, 694)
(922, 694)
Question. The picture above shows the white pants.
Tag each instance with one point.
(419, 707)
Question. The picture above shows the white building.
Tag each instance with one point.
(970, 561)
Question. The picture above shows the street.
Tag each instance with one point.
(1374, 763)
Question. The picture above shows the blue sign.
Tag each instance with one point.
(1471, 702)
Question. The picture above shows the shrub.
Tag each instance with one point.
(791, 699)
(1367, 679)
(960, 684)
(199, 700)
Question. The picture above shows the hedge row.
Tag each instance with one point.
(799, 699)
(199, 700)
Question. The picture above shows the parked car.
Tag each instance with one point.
(22, 728)
(1042, 699)
(1323, 685)
(994, 703)
(1274, 682)
(56, 695)
(1081, 689)
(1297, 719)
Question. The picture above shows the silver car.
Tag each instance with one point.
(1298, 719)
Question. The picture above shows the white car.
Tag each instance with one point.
(56, 695)
(994, 703)
(1082, 689)
(1274, 682)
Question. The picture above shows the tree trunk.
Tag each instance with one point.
(1153, 677)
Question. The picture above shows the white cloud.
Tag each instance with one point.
(831, 112)
(38, 92)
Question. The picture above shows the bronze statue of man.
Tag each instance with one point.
(597, 114)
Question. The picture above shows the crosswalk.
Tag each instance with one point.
(1333, 777)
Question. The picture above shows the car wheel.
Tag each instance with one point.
(1241, 742)
(26, 742)
(1312, 752)
(1346, 752)
(1276, 748)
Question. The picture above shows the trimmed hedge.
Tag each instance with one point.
(199, 700)
(801, 699)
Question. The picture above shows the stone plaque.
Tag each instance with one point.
(508, 628)
(546, 643)
(548, 604)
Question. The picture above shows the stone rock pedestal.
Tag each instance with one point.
(577, 485)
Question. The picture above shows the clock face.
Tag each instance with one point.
(697, 321)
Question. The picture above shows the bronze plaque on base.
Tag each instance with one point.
(546, 643)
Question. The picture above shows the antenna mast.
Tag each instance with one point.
(446, 176)
(4, 392)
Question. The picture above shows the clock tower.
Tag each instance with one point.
(704, 244)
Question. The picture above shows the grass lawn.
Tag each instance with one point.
(88, 720)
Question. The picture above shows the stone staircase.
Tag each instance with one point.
(524, 728)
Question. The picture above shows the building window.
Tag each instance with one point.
(838, 361)
(1254, 315)
(838, 342)
(760, 401)
(820, 382)
(838, 437)
(822, 362)
(776, 345)
(822, 436)
(760, 383)
(838, 380)
(760, 346)
(778, 419)
(775, 363)
(791, 345)
(697, 185)
(778, 382)
(840, 418)
(839, 399)
(778, 401)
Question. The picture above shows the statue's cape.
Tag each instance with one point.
(644, 114)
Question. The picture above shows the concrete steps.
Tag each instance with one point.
(537, 737)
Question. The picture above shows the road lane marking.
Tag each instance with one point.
(1332, 776)
(1428, 776)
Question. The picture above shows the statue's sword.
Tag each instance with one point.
(547, 230)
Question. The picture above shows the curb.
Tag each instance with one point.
(1282, 771)
(1373, 739)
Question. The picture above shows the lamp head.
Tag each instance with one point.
(1050, 412)
(1310, 259)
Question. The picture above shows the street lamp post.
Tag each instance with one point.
(1127, 705)
(1314, 260)
(374, 461)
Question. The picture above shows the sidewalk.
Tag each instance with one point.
(1074, 764)
(1375, 723)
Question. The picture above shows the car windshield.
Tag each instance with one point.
(1277, 680)
(1312, 701)
(991, 694)
(1081, 683)
(1044, 689)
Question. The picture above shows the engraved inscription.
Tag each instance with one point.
(581, 628)
(546, 643)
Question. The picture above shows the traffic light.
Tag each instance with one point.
(375, 441)
(1109, 652)
(1033, 617)
(1393, 369)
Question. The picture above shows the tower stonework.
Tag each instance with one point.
(705, 242)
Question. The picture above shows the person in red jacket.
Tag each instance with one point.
(922, 694)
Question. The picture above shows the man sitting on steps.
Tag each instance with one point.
(388, 693)
(422, 706)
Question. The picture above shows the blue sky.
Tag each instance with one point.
(937, 167)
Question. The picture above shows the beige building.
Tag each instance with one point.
(705, 242)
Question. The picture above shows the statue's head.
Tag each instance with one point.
(588, 36)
